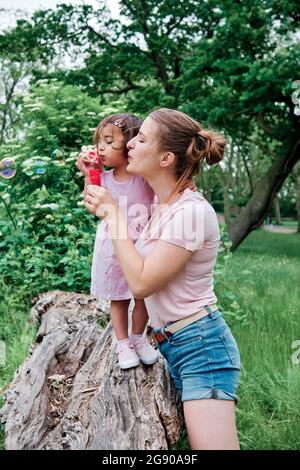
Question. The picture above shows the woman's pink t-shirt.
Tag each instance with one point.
(189, 222)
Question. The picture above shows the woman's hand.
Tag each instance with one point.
(99, 202)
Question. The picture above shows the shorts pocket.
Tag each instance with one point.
(231, 348)
(187, 335)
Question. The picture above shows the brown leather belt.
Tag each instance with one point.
(165, 333)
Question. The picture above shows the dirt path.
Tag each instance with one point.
(279, 228)
(268, 227)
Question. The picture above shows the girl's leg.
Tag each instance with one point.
(139, 317)
(211, 424)
(119, 318)
(144, 350)
(127, 356)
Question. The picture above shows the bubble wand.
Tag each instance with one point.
(94, 160)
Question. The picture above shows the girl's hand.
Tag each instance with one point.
(88, 161)
(99, 202)
(83, 166)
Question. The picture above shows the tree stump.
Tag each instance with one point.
(70, 393)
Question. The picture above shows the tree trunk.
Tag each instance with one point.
(253, 214)
(277, 209)
(70, 393)
(228, 181)
(227, 205)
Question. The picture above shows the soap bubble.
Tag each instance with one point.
(28, 170)
(35, 167)
(39, 167)
(58, 157)
(7, 168)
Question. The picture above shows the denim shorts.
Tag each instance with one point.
(203, 359)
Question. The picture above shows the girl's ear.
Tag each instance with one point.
(167, 159)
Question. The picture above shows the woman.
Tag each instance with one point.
(171, 267)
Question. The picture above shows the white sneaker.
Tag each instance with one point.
(127, 356)
(147, 354)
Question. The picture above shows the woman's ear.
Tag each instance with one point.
(167, 159)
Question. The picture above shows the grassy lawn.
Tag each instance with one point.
(259, 294)
(290, 223)
(18, 333)
(261, 302)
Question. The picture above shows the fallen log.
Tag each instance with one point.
(70, 393)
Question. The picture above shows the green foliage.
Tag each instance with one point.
(230, 64)
(245, 71)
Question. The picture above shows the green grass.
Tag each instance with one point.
(290, 223)
(260, 297)
(17, 332)
(259, 294)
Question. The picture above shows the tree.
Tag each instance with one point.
(230, 64)
(296, 180)
(12, 81)
(241, 77)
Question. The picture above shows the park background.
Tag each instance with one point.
(232, 65)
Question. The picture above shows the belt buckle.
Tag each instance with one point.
(153, 341)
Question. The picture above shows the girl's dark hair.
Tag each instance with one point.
(128, 123)
(190, 143)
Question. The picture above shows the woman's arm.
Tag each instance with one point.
(144, 275)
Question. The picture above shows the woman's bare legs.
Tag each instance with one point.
(211, 424)
(139, 317)
(119, 318)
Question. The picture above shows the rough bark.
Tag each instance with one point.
(253, 214)
(70, 393)
(228, 182)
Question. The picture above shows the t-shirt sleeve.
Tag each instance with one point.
(185, 227)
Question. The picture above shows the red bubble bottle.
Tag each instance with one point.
(93, 160)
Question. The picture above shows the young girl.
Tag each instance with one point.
(108, 282)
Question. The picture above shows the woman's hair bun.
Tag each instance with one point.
(209, 145)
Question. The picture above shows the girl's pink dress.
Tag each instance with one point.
(135, 198)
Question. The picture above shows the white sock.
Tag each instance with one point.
(135, 338)
(124, 341)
